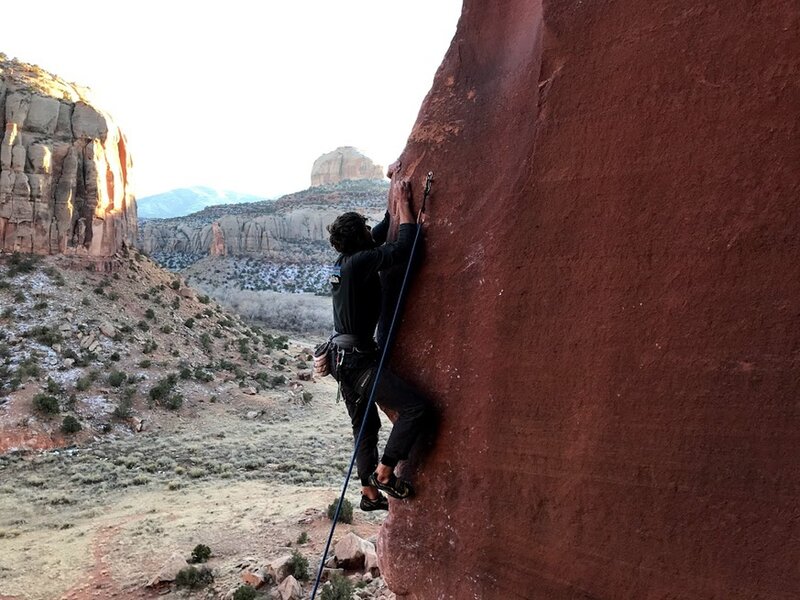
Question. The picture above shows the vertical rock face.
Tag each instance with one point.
(342, 164)
(64, 169)
(612, 243)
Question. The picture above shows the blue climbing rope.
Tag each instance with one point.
(371, 400)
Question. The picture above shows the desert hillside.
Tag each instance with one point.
(139, 419)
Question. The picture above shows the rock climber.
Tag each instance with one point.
(357, 299)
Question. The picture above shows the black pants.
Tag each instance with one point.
(356, 374)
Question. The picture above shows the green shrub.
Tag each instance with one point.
(150, 313)
(123, 408)
(205, 341)
(113, 296)
(244, 592)
(143, 326)
(192, 577)
(83, 383)
(302, 538)
(189, 322)
(70, 425)
(162, 389)
(202, 375)
(185, 373)
(149, 347)
(200, 554)
(298, 566)
(53, 387)
(114, 357)
(22, 263)
(338, 588)
(40, 305)
(55, 276)
(176, 284)
(176, 303)
(173, 402)
(29, 368)
(19, 297)
(203, 299)
(144, 364)
(166, 329)
(117, 378)
(345, 515)
(46, 404)
(44, 335)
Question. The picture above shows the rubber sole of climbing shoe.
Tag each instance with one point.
(396, 488)
(380, 503)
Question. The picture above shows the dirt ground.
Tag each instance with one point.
(245, 476)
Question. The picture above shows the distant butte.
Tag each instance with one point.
(343, 163)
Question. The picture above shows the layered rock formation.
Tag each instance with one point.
(612, 244)
(342, 164)
(262, 228)
(64, 169)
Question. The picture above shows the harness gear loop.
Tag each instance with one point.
(371, 401)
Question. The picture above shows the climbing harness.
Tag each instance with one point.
(371, 401)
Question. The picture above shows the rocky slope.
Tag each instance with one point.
(64, 169)
(139, 419)
(344, 163)
(613, 345)
(64, 332)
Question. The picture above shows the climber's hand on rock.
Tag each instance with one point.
(404, 202)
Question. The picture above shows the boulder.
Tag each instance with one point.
(254, 579)
(289, 589)
(107, 329)
(351, 551)
(279, 568)
(328, 573)
(169, 570)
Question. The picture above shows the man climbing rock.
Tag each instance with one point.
(357, 297)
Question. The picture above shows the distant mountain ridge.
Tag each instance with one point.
(261, 245)
(184, 201)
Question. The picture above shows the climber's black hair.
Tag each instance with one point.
(347, 233)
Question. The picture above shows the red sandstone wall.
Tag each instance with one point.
(609, 312)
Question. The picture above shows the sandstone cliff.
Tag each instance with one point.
(613, 350)
(263, 228)
(64, 169)
(342, 164)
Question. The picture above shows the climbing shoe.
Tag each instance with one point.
(380, 503)
(396, 488)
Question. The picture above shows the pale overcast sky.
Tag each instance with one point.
(242, 95)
